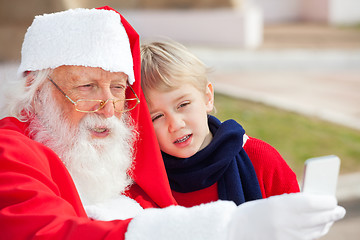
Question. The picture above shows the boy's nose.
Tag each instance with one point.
(175, 123)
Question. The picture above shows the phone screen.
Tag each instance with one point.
(321, 175)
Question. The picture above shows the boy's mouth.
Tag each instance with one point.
(183, 139)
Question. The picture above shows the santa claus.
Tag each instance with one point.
(79, 158)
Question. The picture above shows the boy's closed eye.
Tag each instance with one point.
(157, 116)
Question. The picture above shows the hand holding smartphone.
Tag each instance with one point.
(321, 175)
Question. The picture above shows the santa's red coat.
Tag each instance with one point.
(37, 195)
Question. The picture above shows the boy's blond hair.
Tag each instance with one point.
(168, 65)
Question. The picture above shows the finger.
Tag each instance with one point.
(340, 213)
(316, 231)
(313, 202)
(323, 218)
(326, 228)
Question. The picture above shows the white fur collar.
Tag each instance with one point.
(121, 207)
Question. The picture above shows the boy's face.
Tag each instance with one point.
(180, 119)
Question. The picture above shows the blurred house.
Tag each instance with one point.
(335, 12)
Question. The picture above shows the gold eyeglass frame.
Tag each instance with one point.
(102, 102)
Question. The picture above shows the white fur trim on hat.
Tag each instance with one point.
(80, 37)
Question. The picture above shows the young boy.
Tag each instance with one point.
(205, 159)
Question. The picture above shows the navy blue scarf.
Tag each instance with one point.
(223, 161)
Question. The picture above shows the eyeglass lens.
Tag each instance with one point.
(95, 105)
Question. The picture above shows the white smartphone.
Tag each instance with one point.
(321, 175)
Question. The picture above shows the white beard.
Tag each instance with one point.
(99, 167)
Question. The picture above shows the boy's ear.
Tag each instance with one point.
(209, 97)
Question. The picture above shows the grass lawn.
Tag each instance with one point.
(296, 137)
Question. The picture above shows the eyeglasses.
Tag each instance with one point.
(92, 105)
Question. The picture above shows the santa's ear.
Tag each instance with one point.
(29, 78)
